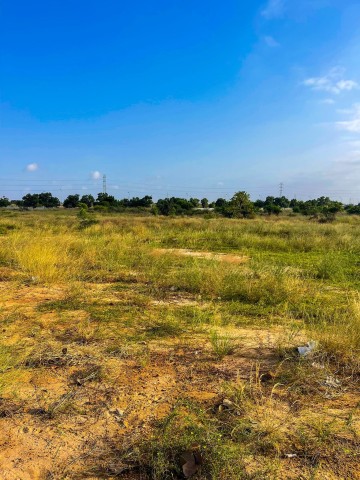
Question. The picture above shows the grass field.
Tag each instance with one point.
(135, 341)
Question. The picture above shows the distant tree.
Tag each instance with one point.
(259, 204)
(31, 200)
(282, 202)
(174, 206)
(44, 199)
(146, 201)
(323, 201)
(195, 202)
(269, 200)
(87, 200)
(221, 202)
(323, 208)
(165, 206)
(328, 212)
(205, 203)
(136, 202)
(106, 200)
(47, 200)
(240, 206)
(72, 201)
(353, 209)
(4, 202)
(272, 209)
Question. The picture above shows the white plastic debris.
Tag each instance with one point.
(307, 349)
(318, 366)
(332, 382)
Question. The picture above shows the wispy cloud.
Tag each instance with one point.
(96, 175)
(273, 9)
(32, 167)
(333, 82)
(271, 42)
(327, 101)
(351, 125)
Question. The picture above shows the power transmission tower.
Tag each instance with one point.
(104, 183)
(281, 189)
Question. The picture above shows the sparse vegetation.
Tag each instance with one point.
(132, 341)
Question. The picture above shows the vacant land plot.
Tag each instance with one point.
(143, 348)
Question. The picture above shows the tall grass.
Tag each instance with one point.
(290, 268)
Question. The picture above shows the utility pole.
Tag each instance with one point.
(281, 189)
(104, 183)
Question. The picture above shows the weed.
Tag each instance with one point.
(222, 344)
(331, 268)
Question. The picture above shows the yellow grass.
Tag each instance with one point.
(121, 341)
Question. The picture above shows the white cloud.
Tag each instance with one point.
(32, 167)
(273, 9)
(271, 42)
(328, 101)
(353, 123)
(331, 83)
(344, 111)
(347, 85)
(96, 175)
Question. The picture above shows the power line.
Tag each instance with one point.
(133, 186)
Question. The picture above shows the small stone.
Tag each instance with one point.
(266, 377)
(228, 404)
(309, 348)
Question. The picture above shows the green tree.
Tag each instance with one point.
(282, 202)
(174, 206)
(240, 206)
(72, 201)
(44, 199)
(31, 200)
(47, 200)
(205, 203)
(220, 203)
(88, 200)
(353, 209)
(4, 202)
(195, 202)
(272, 209)
(106, 200)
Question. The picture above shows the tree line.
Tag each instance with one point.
(239, 206)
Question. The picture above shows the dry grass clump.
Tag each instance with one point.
(339, 335)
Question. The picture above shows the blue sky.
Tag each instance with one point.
(185, 98)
